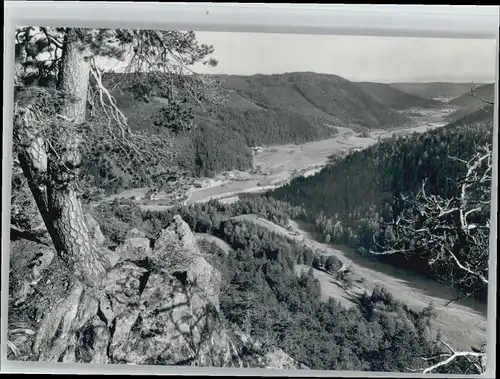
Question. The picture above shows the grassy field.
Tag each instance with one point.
(275, 165)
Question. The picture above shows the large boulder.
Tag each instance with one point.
(177, 250)
(161, 306)
(164, 309)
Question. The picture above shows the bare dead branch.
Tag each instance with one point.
(478, 363)
(472, 92)
(452, 232)
(51, 38)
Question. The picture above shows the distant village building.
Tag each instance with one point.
(203, 183)
(157, 195)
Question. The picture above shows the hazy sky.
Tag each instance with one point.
(356, 58)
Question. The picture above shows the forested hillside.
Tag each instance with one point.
(396, 98)
(166, 275)
(484, 92)
(471, 102)
(433, 90)
(351, 200)
(260, 110)
(330, 98)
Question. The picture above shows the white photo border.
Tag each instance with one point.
(433, 21)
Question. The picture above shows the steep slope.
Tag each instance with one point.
(329, 98)
(395, 98)
(482, 115)
(308, 99)
(484, 92)
(261, 110)
(266, 298)
(398, 165)
(469, 104)
(435, 90)
(348, 198)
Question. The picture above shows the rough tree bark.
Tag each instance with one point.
(77, 247)
(51, 169)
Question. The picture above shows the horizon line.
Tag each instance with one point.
(381, 81)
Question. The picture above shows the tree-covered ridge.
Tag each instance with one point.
(481, 92)
(260, 110)
(433, 90)
(329, 96)
(397, 99)
(352, 201)
(472, 101)
(203, 218)
(387, 169)
(204, 150)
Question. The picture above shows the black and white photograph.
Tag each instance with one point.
(251, 200)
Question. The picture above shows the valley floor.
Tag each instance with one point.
(274, 166)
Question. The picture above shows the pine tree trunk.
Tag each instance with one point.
(79, 249)
(52, 173)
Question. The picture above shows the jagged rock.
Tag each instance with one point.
(177, 251)
(94, 229)
(28, 261)
(165, 310)
(132, 249)
(178, 231)
(154, 317)
(167, 324)
(161, 306)
(255, 354)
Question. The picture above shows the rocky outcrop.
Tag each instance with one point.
(136, 247)
(160, 305)
(28, 261)
(252, 353)
(178, 250)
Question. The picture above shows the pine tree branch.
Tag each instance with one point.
(51, 38)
